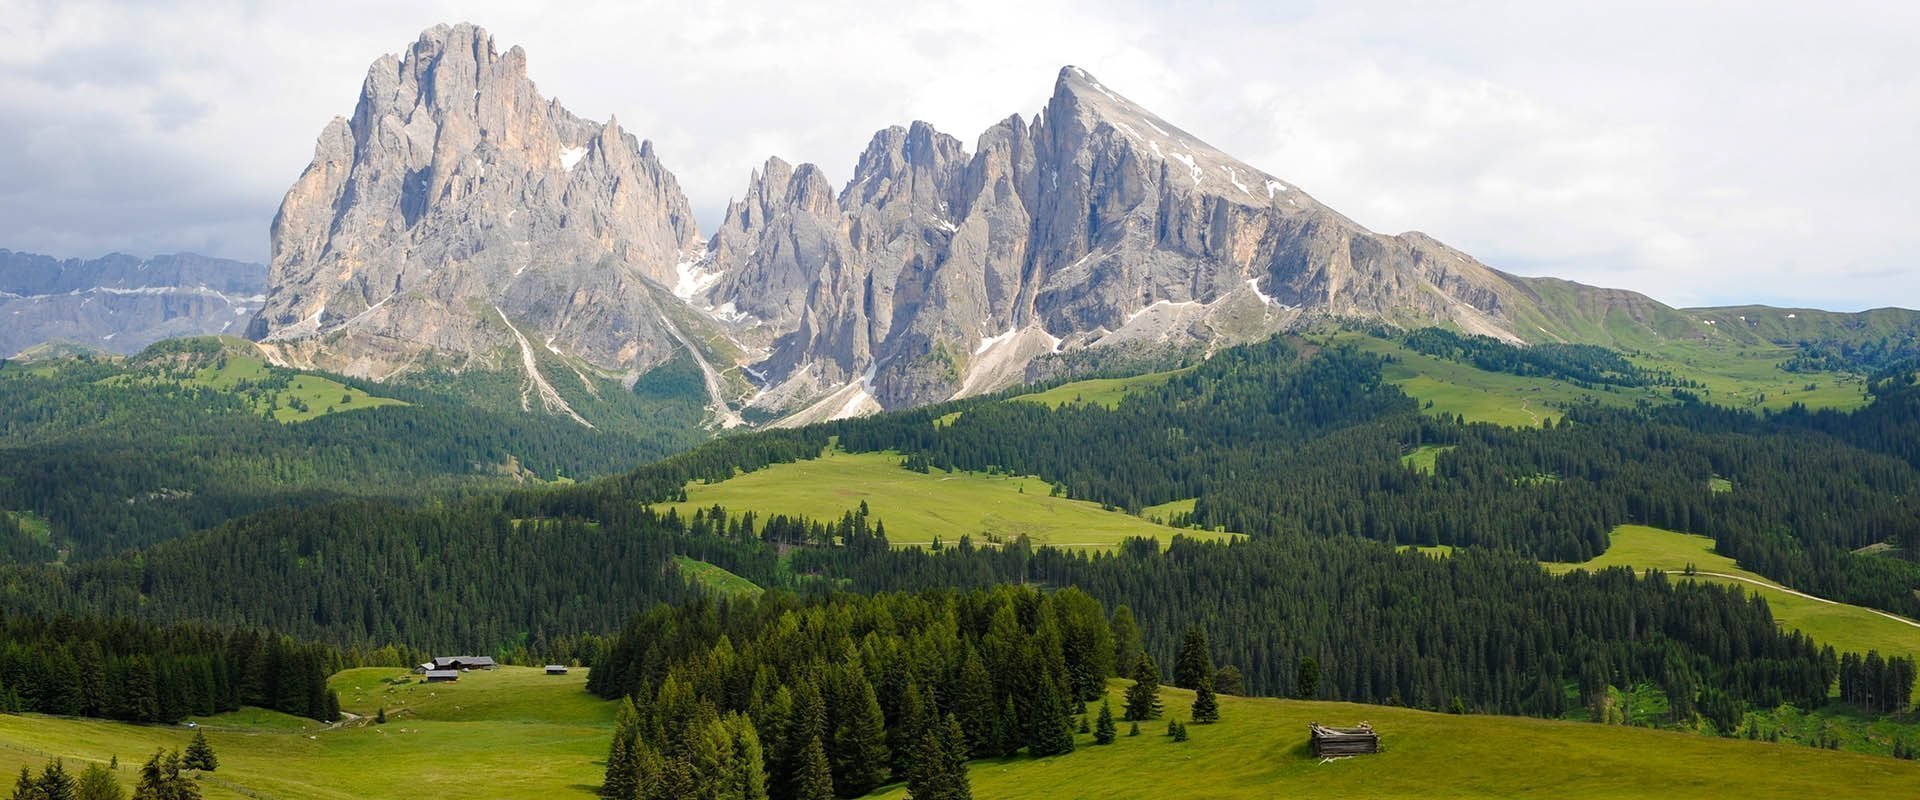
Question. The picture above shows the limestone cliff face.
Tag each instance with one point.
(460, 213)
(940, 273)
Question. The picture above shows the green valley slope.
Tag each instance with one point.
(918, 508)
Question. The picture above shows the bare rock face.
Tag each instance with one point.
(938, 273)
(460, 213)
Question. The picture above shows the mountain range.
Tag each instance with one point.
(461, 220)
(120, 304)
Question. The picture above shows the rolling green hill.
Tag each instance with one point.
(1259, 750)
(515, 732)
(1846, 627)
(918, 508)
(233, 366)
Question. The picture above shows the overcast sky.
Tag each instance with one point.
(1710, 153)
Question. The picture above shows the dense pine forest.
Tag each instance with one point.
(805, 700)
(144, 673)
(117, 454)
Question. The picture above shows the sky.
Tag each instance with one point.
(1702, 153)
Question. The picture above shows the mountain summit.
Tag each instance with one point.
(460, 220)
(940, 273)
(461, 214)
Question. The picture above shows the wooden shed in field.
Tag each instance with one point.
(1330, 742)
(556, 669)
(442, 675)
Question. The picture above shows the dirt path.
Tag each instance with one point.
(1796, 593)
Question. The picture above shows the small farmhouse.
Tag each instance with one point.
(463, 662)
(1333, 742)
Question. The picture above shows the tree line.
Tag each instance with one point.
(136, 672)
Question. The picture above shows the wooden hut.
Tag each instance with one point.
(442, 675)
(1329, 742)
(556, 669)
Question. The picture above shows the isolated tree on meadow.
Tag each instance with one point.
(1206, 708)
(1103, 728)
(200, 754)
(1143, 697)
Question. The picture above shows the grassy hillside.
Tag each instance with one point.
(1097, 391)
(1846, 627)
(713, 577)
(515, 732)
(1740, 376)
(1259, 750)
(230, 365)
(918, 507)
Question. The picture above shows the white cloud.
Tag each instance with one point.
(1695, 154)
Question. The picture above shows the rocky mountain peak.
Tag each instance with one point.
(460, 214)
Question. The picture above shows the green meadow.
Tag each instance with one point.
(517, 732)
(1846, 627)
(514, 732)
(1737, 376)
(713, 577)
(1097, 391)
(917, 507)
(1259, 750)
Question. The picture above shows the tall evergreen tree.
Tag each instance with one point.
(1126, 638)
(1143, 697)
(1206, 709)
(1103, 729)
(97, 783)
(1306, 680)
(859, 752)
(200, 754)
(814, 781)
(1049, 726)
(1193, 665)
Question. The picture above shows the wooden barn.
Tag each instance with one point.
(442, 675)
(1329, 742)
(556, 669)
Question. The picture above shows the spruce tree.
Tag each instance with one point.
(1103, 729)
(1143, 697)
(55, 783)
(954, 747)
(1306, 680)
(814, 780)
(97, 783)
(1126, 638)
(859, 754)
(200, 754)
(1206, 709)
(26, 788)
(1194, 665)
(1177, 730)
(380, 717)
(1049, 726)
(974, 700)
(1133, 729)
(622, 781)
